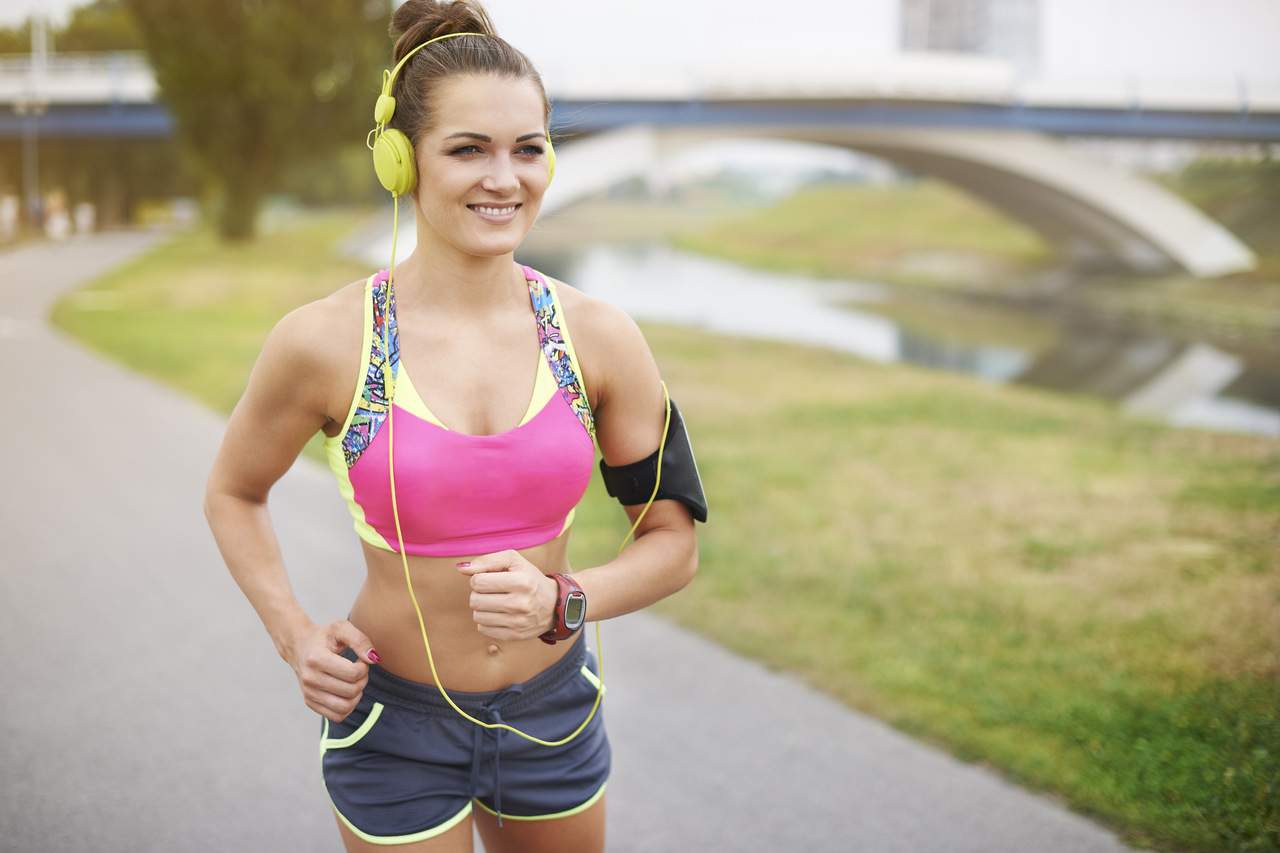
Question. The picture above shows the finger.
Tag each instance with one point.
(521, 577)
(321, 682)
(494, 602)
(327, 707)
(498, 633)
(491, 619)
(342, 634)
(499, 562)
(341, 668)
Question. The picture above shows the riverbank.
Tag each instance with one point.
(1086, 601)
(929, 236)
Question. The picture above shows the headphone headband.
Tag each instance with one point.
(386, 105)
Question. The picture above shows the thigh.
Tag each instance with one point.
(582, 832)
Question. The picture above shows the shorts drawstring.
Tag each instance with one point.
(490, 713)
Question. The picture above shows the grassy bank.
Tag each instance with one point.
(1086, 602)
(929, 235)
(923, 233)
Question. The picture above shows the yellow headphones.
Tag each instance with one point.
(394, 162)
(392, 151)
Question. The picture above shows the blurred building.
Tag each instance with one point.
(1008, 29)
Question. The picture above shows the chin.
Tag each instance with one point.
(489, 248)
(495, 244)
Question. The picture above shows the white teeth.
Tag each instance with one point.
(495, 211)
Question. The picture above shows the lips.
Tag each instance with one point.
(489, 213)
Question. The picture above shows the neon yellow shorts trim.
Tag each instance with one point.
(575, 810)
(403, 839)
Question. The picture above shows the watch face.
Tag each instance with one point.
(575, 608)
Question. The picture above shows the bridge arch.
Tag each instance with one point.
(1096, 215)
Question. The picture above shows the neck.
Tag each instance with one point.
(439, 279)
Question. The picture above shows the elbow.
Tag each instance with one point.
(212, 498)
(206, 503)
(210, 493)
(690, 566)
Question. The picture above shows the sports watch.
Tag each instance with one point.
(570, 612)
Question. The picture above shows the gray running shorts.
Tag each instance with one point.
(404, 766)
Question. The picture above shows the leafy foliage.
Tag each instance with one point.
(258, 86)
(99, 26)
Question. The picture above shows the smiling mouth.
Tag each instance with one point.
(494, 212)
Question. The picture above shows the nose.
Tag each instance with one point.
(501, 177)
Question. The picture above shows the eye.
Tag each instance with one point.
(530, 150)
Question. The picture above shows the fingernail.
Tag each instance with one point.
(373, 656)
(463, 564)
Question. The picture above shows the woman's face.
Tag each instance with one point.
(487, 149)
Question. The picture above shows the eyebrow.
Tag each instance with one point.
(483, 138)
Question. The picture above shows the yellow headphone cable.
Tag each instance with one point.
(397, 172)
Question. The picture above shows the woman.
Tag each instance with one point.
(484, 494)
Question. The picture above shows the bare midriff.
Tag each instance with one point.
(465, 659)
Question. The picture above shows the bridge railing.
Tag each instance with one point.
(904, 77)
(77, 78)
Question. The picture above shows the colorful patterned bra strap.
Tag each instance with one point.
(371, 410)
(557, 352)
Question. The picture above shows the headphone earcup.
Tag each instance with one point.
(394, 163)
(551, 162)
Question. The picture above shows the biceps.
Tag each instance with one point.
(268, 426)
(629, 423)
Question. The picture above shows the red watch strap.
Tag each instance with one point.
(559, 631)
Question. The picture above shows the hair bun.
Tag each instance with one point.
(418, 21)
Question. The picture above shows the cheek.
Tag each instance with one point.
(439, 206)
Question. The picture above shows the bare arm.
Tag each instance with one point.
(282, 407)
(629, 417)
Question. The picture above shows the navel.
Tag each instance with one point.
(493, 648)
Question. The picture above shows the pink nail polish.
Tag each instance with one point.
(373, 656)
(463, 564)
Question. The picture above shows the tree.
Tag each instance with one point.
(254, 85)
(99, 26)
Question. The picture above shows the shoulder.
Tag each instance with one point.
(606, 338)
(314, 330)
(321, 340)
(623, 381)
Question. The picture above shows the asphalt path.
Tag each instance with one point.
(147, 709)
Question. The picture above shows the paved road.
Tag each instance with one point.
(149, 711)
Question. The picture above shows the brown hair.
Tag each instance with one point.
(418, 21)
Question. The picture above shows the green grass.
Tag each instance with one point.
(923, 233)
(1087, 602)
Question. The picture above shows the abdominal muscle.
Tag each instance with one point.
(465, 659)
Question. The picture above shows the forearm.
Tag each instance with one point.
(249, 547)
(659, 563)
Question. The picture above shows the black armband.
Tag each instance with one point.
(633, 483)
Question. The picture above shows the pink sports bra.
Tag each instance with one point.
(461, 494)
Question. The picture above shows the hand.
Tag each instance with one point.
(511, 599)
(331, 684)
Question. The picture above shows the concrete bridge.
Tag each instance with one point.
(970, 121)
